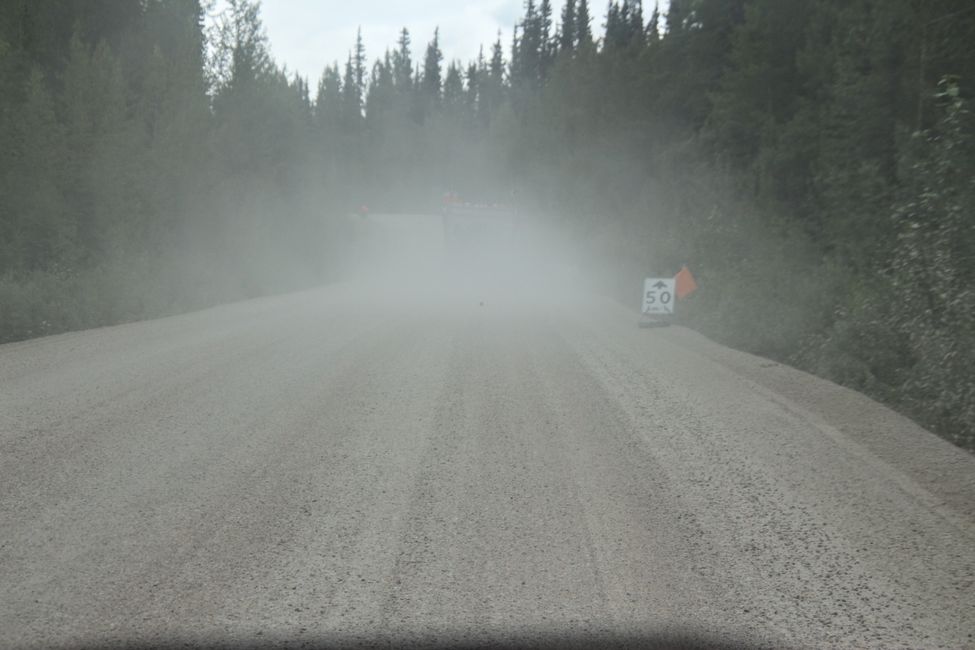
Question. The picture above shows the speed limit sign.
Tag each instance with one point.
(659, 296)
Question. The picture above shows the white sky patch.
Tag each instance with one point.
(307, 35)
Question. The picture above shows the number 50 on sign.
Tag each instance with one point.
(659, 295)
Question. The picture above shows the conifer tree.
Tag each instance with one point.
(453, 89)
(328, 100)
(547, 43)
(403, 63)
(359, 63)
(431, 82)
(567, 30)
(351, 96)
(583, 26)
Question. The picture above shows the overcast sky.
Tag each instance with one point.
(306, 35)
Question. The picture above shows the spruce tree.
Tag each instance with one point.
(351, 96)
(547, 44)
(328, 101)
(359, 63)
(453, 89)
(583, 26)
(431, 82)
(567, 30)
(403, 63)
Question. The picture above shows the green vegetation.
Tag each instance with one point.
(813, 162)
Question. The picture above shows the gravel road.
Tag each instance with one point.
(345, 464)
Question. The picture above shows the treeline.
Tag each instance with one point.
(149, 164)
(813, 162)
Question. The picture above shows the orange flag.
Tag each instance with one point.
(685, 282)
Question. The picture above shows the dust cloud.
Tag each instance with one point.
(471, 254)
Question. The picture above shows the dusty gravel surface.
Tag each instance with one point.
(349, 464)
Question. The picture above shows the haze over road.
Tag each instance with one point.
(358, 462)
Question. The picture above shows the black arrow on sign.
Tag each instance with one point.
(660, 285)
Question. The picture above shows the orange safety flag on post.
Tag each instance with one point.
(685, 282)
